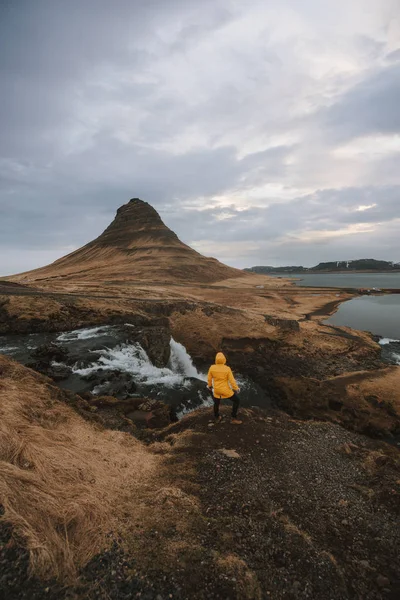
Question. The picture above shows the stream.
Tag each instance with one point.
(101, 360)
(380, 315)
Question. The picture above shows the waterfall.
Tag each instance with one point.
(181, 362)
(131, 358)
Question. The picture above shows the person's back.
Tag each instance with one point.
(220, 378)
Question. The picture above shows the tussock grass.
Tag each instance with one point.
(64, 484)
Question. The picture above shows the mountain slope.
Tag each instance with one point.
(137, 246)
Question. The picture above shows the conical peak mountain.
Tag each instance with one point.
(136, 246)
(136, 223)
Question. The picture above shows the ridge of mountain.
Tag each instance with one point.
(137, 245)
(361, 264)
(136, 222)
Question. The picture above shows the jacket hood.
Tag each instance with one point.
(220, 359)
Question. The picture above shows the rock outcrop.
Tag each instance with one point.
(46, 359)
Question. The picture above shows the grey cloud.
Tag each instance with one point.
(328, 210)
(95, 110)
(372, 106)
(50, 50)
(394, 56)
(157, 177)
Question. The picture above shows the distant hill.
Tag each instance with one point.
(136, 246)
(362, 264)
(265, 270)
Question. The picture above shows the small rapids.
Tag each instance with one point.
(82, 334)
(390, 350)
(132, 359)
(107, 361)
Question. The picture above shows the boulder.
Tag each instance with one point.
(112, 383)
(58, 372)
(155, 341)
(188, 396)
(158, 417)
(143, 412)
(49, 353)
(44, 358)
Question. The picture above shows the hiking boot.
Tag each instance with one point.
(236, 422)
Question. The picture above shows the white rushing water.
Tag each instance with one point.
(385, 341)
(395, 356)
(181, 362)
(83, 334)
(104, 351)
(132, 359)
(8, 349)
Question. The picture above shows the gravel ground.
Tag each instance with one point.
(298, 508)
(288, 510)
(107, 577)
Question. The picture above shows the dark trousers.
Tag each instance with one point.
(235, 400)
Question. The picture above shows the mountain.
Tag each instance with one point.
(137, 246)
(265, 270)
(362, 264)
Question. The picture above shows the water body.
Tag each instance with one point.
(95, 354)
(378, 314)
(346, 280)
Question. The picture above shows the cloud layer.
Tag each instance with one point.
(263, 134)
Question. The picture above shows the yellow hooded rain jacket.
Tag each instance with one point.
(221, 376)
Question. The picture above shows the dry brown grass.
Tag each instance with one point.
(30, 307)
(248, 586)
(194, 327)
(384, 385)
(63, 484)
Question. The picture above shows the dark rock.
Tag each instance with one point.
(285, 324)
(55, 372)
(59, 372)
(335, 404)
(124, 386)
(382, 581)
(144, 412)
(44, 357)
(112, 383)
(155, 341)
(188, 396)
(374, 400)
(149, 413)
(160, 417)
(49, 353)
(95, 376)
(87, 396)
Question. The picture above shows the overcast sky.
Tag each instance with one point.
(264, 132)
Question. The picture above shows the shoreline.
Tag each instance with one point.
(327, 310)
(331, 308)
(346, 272)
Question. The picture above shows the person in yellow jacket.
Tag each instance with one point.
(220, 378)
